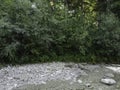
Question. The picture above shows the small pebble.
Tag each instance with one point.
(88, 85)
(79, 81)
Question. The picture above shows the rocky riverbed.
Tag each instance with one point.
(60, 76)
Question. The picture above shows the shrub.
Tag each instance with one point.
(35, 31)
(107, 39)
(24, 30)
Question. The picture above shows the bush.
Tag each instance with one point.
(24, 31)
(35, 31)
(107, 39)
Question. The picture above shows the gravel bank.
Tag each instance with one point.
(42, 74)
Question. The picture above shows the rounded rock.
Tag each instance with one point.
(108, 81)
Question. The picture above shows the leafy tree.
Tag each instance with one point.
(107, 40)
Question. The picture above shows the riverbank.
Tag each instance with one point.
(59, 76)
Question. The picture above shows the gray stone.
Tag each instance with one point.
(80, 81)
(88, 85)
(108, 81)
(110, 75)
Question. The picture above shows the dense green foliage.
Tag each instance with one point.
(107, 39)
(43, 30)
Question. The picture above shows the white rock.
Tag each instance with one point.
(15, 85)
(108, 81)
(10, 78)
(79, 81)
(115, 69)
(43, 82)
